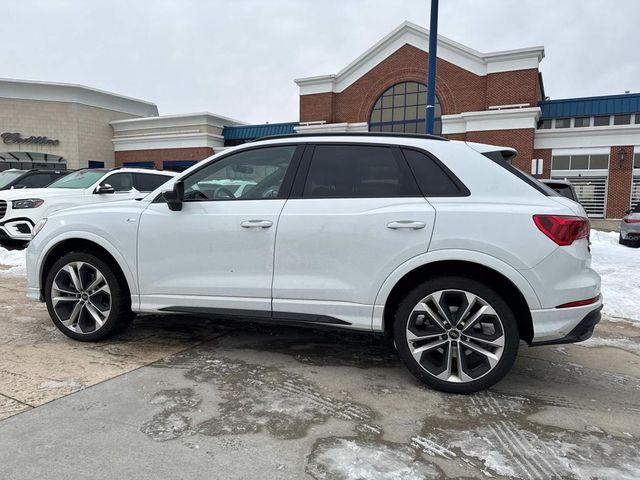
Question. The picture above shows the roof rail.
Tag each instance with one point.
(423, 136)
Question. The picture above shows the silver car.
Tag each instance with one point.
(630, 227)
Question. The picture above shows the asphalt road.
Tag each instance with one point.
(189, 398)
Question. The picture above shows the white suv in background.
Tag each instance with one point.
(442, 245)
(21, 209)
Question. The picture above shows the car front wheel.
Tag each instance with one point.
(456, 334)
(86, 299)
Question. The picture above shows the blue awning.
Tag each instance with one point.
(588, 106)
(251, 132)
(178, 163)
(138, 164)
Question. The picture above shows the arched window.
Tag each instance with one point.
(402, 108)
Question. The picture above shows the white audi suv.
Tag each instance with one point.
(441, 245)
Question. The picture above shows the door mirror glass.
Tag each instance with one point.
(174, 197)
(105, 189)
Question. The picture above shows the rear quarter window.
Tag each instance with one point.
(433, 180)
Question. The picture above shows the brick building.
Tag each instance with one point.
(495, 98)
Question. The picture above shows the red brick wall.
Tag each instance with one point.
(619, 189)
(545, 155)
(158, 156)
(457, 89)
(509, 88)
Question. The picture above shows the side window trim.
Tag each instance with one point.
(287, 182)
(463, 191)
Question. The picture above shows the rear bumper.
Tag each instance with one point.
(565, 325)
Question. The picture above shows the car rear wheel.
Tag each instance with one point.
(86, 299)
(456, 334)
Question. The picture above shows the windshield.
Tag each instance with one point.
(7, 177)
(81, 179)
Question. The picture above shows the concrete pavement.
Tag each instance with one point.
(248, 401)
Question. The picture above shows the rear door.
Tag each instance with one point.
(355, 214)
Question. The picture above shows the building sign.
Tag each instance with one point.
(18, 139)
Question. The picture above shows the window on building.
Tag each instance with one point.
(402, 108)
(580, 162)
(601, 120)
(346, 171)
(563, 122)
(638, 117)
(622, 119)
(581, 122)
(545, 124)
(636, 160)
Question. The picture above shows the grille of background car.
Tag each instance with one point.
(3, 208)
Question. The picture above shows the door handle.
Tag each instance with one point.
(256, 224)
(413, 225)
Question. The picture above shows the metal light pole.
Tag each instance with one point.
(431, 68)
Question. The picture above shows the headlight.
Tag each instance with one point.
(27, 203)
(39, 226)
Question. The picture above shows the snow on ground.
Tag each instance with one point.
(619, 268)
(618, 265)
(12, 262)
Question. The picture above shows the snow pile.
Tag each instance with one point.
(12, 262)
(618, 266)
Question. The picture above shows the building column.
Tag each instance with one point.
(619, 187)
(545, 155)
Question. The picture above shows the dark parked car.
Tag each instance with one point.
(562, 187)
(29, 178)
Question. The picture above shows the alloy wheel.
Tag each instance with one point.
(81, 297)
(455, 336)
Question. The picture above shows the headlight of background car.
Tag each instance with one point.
(39, 226)
(27, 203)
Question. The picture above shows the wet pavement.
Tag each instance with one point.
(190, 398)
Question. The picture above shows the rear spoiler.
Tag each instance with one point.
(494, 152)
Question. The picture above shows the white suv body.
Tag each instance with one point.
(21, 209)
(440, 244)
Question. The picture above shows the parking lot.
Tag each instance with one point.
(178, 397)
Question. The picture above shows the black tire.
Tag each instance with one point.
(505, 317)
(119, 316)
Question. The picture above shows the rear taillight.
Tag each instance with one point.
(631, 220)
(564, 230)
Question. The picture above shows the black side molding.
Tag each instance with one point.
(260, 315)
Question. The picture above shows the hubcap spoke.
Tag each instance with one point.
(73, 318)
(95, 314)
(493, 358)
(98, 282)
(73, 270)
(437, 317)
(418, 351)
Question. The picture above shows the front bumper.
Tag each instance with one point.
(564, 325)
(17, 229)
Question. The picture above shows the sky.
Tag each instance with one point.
(238, 58)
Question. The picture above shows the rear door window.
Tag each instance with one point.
(148, 182)
(357, 171)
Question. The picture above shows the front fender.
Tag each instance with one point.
(447, 255)
(39, 256)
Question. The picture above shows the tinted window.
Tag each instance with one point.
(601, 121)
(248, 175)
(357, 171)
(144, 182)
(121, 182)
(582, 121)
(7, 177)
(37, 180)
(563, 122)
(432, 179)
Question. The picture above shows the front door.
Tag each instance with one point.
(216, 254)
